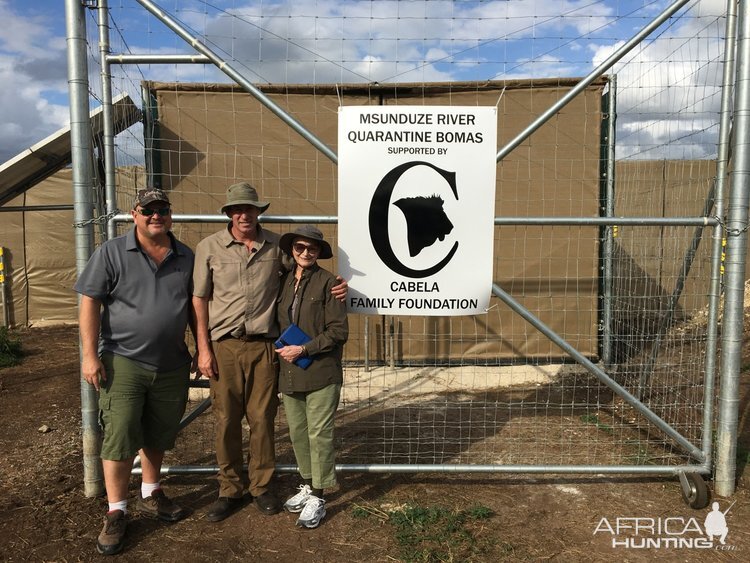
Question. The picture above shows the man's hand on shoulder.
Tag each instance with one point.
(339, 291)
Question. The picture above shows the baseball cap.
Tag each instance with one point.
(149, 195)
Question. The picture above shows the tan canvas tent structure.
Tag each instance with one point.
(202, 137)
(39, 248)
(36, 223)
(31, 166)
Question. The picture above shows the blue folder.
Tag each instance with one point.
(295, 336)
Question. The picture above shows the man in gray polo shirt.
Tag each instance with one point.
(134, 310)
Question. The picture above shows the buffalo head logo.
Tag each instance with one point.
(426, 221)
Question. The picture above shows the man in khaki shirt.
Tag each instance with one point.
(235, 285)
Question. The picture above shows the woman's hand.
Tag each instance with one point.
(291, 353)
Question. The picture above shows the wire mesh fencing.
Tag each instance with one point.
(487, 392)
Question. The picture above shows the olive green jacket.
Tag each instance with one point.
(322, 317)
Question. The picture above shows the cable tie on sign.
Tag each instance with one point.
(500, 97)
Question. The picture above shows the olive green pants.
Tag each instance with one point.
(310, 419)
(140, 408)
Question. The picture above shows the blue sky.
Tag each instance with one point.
(329, 41)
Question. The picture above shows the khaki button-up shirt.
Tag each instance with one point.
(241, 284)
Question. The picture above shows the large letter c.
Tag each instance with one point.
(379, 212)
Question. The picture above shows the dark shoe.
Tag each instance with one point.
(223, 507)
(267, 503)
(158, 505)
(112, 537)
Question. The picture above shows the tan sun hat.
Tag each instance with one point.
(243, 194)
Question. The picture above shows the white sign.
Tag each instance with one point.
(417, 208)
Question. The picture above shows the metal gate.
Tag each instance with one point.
(631, 393)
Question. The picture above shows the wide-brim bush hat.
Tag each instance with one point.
(307, 232)
(243, 194)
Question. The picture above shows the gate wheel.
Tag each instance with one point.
(694, 490)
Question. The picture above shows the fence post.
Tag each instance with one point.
(734, 278)
(81, 154)
(3, 294)
(108, 135)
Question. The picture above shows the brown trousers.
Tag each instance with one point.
(247, 387)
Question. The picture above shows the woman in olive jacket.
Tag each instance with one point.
(311, 395)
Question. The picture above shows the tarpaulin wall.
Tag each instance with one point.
(40, 249)
(648, 262)
(204, 137)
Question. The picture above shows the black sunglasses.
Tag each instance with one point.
(300, 247)
(148, 212)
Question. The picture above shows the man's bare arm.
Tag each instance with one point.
(206, 359)
(89, 323)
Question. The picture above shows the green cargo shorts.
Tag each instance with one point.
(139, 407)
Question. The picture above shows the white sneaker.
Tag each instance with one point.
(298, 501)
(313, 513)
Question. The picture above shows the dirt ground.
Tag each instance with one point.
(44, 515)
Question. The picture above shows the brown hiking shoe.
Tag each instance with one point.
(112, 536)
(158, 505)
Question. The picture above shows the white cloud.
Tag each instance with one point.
(668, 93)
(329, 41)
(338, 41)
(32, 71)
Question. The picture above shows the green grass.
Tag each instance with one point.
(10, 349)
(435, 534)
(640, 455)
(594, 419)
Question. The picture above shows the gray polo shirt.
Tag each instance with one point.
(242, 285)
(146, 307)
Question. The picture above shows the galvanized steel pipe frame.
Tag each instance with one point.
(81, 155)
(501, 154)
(714, 296)
(734, 278)
(698, 453)
(461, 468)
(541, 221)
(108, 133)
